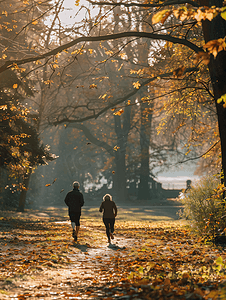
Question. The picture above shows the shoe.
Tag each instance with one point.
(112, 236)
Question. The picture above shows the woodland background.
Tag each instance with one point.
(120, 91)
(109, 94)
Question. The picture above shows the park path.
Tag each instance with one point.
(95, 270)
(90, 274)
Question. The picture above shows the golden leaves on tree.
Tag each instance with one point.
(161, 16)
(184, 13)
(222, 99)
(119, 112)
(92, 86)
(215, 46)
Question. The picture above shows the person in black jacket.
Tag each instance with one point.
(74, 200)
(109, 209)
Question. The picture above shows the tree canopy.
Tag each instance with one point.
(183, 43)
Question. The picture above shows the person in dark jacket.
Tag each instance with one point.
(109, 209)
(74, 200)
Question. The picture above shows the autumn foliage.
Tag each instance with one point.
(204, 207)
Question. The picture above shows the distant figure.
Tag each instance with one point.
(188, 182)
(74, 200)
(109, 209)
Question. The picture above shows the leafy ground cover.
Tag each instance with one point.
(151, 258)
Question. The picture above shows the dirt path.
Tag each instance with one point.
(88, 276)
(41, 261)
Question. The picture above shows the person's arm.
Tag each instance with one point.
(101, 207)
(81, 200)
(116, 210)
(66, 199)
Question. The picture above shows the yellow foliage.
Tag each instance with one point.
(161, 16)
(116, 148)
(222, 99)
(136, 85)
(215, 46)
(119, 112)
(92, 86)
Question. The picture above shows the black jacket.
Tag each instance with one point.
(74, 200)
(110, 209)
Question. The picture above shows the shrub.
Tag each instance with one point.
(205, 208)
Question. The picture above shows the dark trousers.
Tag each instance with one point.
(75, 217)
(109, 224)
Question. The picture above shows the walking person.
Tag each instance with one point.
(109, 209)
(74, 200)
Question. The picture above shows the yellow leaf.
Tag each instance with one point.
(15, 85)
(92, 86)
(222, 99)
(223, 14)
(116, 148)
(159, 16)
(35, 22)
(136, 85)
(118, 113)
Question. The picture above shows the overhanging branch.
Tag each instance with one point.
(93, 139)
(8, 64)
(166, 3)
(200, 156)
(119, 101)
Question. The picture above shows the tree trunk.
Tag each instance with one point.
(120, 177)
(217, 67)
(122, 130)
(23, 194)
(146, 118)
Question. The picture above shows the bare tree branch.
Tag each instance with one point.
(93, 139)
(197, 157)
(193, 3)
(8, 64)
(120, 100)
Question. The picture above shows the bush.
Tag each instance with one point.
(205, 208)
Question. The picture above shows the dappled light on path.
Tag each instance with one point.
(146, 260)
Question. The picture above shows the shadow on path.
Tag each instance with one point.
(81, 247)
(116, 247)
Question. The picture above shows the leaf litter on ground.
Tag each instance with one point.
(160, 260)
